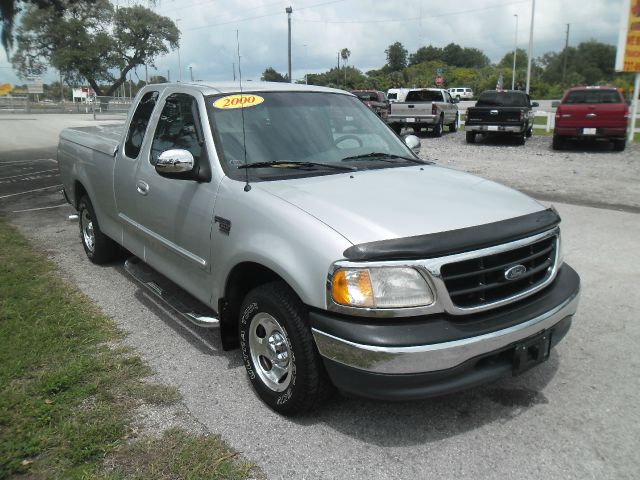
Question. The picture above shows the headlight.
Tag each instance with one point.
(381, 287)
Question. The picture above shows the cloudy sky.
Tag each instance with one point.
(321, 28)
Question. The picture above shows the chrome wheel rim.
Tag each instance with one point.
(270, 352)
(86, 227)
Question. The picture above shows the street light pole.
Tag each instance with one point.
(533, 11)
(289, 10)
(515, 52)
(191, 72)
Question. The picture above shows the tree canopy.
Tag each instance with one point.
(90, 40)
(396, 57)
(270, 74)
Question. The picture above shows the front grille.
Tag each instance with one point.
(481, 281)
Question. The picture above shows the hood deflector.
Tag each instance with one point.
(455, 241)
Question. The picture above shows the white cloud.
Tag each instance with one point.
(366, 27)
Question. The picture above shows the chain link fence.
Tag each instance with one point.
(115, 107)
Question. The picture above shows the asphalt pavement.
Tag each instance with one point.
(576, 416)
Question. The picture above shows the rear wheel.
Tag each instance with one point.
(619, 144)
(471, 137)
(438, 127)
(98, 247)
(521, 138)
(557, 143)
(279, 352)
(454, 126)
(396, 127)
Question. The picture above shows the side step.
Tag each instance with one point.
(171, 294)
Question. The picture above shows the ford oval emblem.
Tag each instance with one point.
(515, 272)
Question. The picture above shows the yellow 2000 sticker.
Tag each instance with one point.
(238, 101)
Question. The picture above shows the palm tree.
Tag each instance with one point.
(345, 53)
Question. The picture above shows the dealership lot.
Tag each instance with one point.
(573, 417)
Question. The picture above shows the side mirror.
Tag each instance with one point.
(535, 104)
(413, 143)
(555, 104)
(175, 161)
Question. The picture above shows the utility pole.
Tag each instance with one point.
(146, 74)
(289, 10)
(233, 66)
(533, 11)
(564, 60)
(191, 72)
(515, 51)
(61, 88)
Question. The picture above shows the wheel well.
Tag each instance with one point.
(79, 191)
(243, 278)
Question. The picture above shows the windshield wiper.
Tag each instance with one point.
(292, 164)
(381, 156)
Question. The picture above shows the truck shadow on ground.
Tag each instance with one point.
(387, 424)
(586, 146)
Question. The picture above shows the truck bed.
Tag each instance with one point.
(101, 138)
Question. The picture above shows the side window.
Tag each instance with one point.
(177, 127)
(138, 125)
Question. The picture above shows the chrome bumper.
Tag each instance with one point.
(496, 129)
(439, 356)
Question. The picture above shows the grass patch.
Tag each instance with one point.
(67, 395)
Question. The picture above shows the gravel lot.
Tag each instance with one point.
(574, 417)
(592, 175)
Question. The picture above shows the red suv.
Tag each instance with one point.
(591, 112)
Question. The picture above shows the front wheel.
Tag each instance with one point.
(619, 144)
(98, 247)
(279, 352)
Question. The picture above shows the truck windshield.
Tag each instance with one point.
(502, 99)
(282, 129)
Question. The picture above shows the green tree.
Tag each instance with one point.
(396, 57)
(92, 41)
(271, 75)
(589, 63)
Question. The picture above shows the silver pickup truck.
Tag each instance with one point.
(430, 108)
(293, 220)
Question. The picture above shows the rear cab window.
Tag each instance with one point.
(424, 96)
(593, 96)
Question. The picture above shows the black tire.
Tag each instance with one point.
(99, 248)
(438, 127)
(530, 132)
(521, 138)
(471, 137)
(619, 144)
(396, 127)
(458, 98)
(557, 143)
(290, 384)
(454, 126)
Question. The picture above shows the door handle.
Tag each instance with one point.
(142, 187)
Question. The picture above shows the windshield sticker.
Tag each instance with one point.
(238, 101)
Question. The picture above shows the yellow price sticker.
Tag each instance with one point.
(238, 101)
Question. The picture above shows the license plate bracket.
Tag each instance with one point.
(531, 352)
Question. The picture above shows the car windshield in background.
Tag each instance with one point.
(289, 134)
(372, 96)
(423, 96)
(593, 96)
(502, 99)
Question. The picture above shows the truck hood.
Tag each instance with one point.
(401, 202)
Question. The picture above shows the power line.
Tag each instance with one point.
(410, 19)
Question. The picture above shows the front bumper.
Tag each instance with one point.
(437, 354)
(494, 128)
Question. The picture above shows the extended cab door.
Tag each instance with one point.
(173, 215)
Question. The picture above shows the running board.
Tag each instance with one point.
(171, 294)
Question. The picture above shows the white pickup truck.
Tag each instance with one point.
(430, 108)
(292, 219)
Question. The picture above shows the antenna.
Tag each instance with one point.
(247, 187)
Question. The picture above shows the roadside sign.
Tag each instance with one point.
(628, 52)
(35, 87)
(439, 80)
(439, 71)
